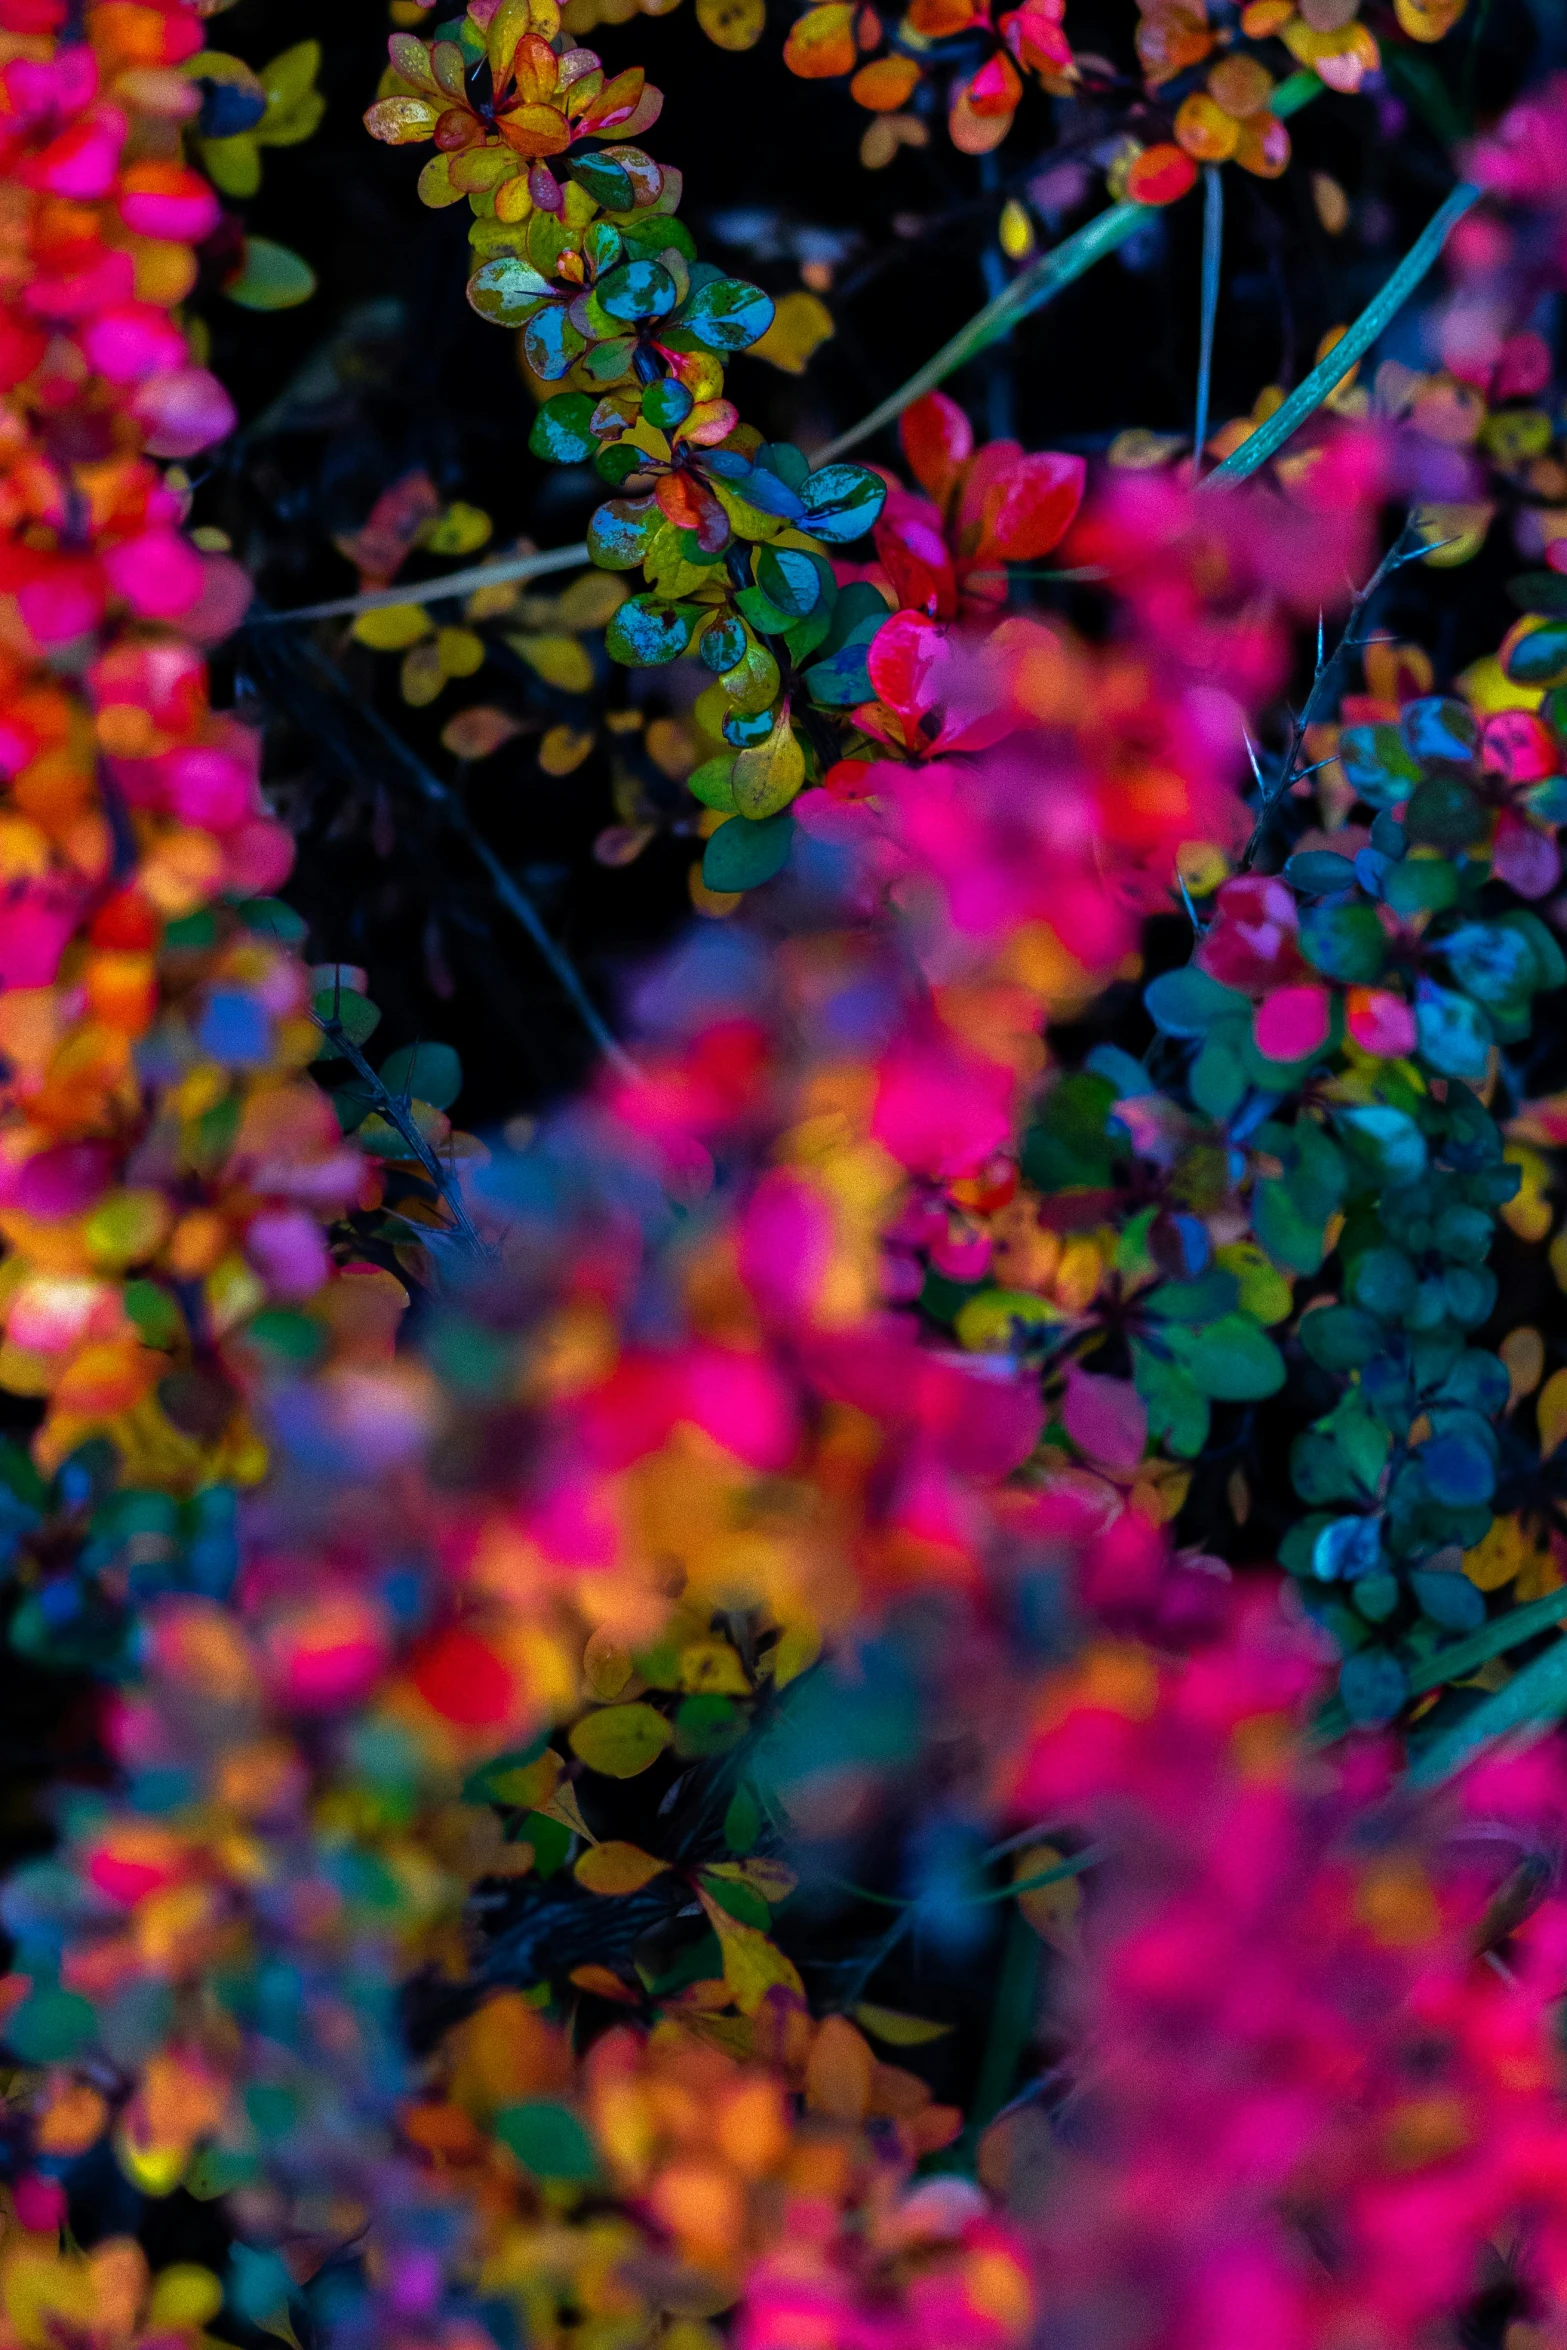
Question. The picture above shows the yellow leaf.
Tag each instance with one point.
(461, 530)
(1015, 231)
(459, 651)
(802, 322)
(592, 600)
(563, 749)
(896, 2029)
(1498, 1556)
(184, 2295)
(392, 628)
(769, 774)
(713, 1667)
(563, 1806)
(291, 75)
(620, 1740)
(732, 24)
(528, 1786)
(798, 1648)
(422, 675)
(770, 1878)
(1552, 1409)
(1051, 1909)
(1523, 1353)
(1427, 20)
(753, 1965)
(618, 1868)
(562, 661)
(1454, 534)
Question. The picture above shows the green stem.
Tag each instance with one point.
(1461, 1657)
(1307, 397)
(1011, 2021)
(1212, 257)
(1033, 287)
(1531, 1701)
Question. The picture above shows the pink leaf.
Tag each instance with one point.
(1105, 1418)
(1292, 1022)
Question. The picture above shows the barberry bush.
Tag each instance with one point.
(874, 1665)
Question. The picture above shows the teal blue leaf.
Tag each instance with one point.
(842, 502)
(562, 432)
(644, 634)
(1234, 1361)
(1454, 1034)
(726, 314)
(637, 290)
(742, 854)
(425, 1072)
(1188, 1003)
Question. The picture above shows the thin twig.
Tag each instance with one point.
(432, 591)
(1327, 668)
(516, 900)
(397, 1114)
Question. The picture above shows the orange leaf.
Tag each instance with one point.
(821, 44)
(882, 86)
(839, 2071)
(475, 733)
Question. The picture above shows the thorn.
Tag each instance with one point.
(1320, 641)
(1186, 900)
(1252, 756)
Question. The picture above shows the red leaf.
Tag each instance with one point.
(1030, 508)
(905, 661)
(938, 441)
(914, 556)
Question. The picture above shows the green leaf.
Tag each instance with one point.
(607, 183)
(621, 532)
(1178, 1414)
(507, 291)
(50, 2026)
(355, 1014)
(425, 1072)
(711, 783)
(1347, 943)
(1188, 1002)
(1234, 1362)
(621, 1741)
(548, 2140)
(742, 854)
(274, 277)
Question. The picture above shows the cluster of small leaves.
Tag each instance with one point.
(731, 533)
